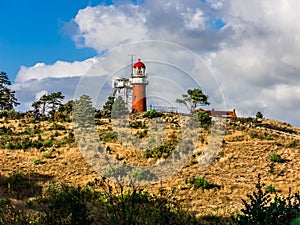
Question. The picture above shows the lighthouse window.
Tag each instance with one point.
(134, 98)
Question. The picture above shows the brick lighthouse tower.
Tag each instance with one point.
(138, 81)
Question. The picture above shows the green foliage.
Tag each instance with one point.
(7, 96)
(36, 161)
(131, 205)
(65, 205)
(269, 137)
(83, 112)
(204, 118)
(140, 174)
(119, 108)
(199, 182)
(108, 136)
(161, 151)
(270, 189)
(47, 105)
(152, 114)
(296, 221)
(192, 99)
(125, 172)
(141, 134)
(6, 131)
(47, 154)
(19, 186)
(107, 107)
(136, 124)
(48, 143)
(253, 134)
(275, 157)
(261, 209)
(259, 115)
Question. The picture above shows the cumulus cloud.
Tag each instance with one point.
(104, 27)
(258, 66)
(59, 69)
(253, 55)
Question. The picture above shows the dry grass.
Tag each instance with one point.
(244, 154)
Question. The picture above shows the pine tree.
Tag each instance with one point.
(83, 112)
(7, 96)
(48, 103)
(119, 108)
(192, 99)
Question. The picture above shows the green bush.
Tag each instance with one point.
(204, 119)
(9, 146)
(141, 134)
(36, 161)
(161, 151)
(47, 154)
(275, 157)
(64, 205)
(259, 115)
(270, 189)
(48, 143)
(269, 137)
(6, 131)
(99, 203)
(108, 136)
(199, 182)
(261, 209)
(296, 221)
(152, 114)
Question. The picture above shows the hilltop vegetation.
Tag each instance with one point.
(45, 179)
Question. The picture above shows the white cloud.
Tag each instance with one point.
(40, 94)
(194, 19)
(254, 56)
(258, 66)
(59, 69)
(104, 27)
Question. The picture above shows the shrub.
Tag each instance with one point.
(108, 136)
(65, 205)
(204, 119)
(36, 161)
(152, 114)
(275, 157)
(259, 115)
(132, 205)
(261, 209)
(37, 143)
(6, 130)
(141, 134)
(48, 143)
(139, 174)
(270, 189)
(9, 146)
(47, 154)
(253, 134)
(269, 137)
(136, 124)
(161, 151)
(199, 182)
(296, 221)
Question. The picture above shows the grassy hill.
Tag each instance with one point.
(36, 154)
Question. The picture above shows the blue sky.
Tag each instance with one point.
(33, 31)
(252, 48)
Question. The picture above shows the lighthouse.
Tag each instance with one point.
(138, 82)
